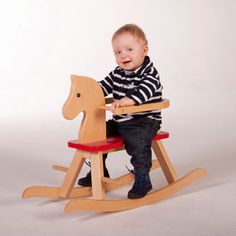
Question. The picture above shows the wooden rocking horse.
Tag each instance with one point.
(86, 96)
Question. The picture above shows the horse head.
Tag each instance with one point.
(86, 96)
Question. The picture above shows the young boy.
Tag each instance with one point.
(134, 81)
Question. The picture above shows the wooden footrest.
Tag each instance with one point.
(54, 192)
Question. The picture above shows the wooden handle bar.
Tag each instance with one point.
(143, 107)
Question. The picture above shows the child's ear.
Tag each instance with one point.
(145, 50)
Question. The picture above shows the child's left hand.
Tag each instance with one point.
(125, 101)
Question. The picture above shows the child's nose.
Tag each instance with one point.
(123, 54)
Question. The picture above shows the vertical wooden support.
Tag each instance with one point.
(72, 174)
(164, 161)
(98, 187)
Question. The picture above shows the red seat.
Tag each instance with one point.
(109, 143)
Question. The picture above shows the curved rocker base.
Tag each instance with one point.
(54, 192)
(125, 204)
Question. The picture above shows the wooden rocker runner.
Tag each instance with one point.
(86, 96)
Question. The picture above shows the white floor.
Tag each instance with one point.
(207, 207)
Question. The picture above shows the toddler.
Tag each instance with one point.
(134, 81)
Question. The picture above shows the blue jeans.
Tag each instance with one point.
(138, 134)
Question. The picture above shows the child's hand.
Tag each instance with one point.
(125, 101)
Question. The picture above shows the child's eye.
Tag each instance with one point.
(130, 49)
(118, 52)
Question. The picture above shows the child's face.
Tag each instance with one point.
(129, 51)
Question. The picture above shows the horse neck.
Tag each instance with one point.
(93, 127)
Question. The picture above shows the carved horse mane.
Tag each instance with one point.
(86, 96)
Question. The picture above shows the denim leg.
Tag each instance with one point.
(138, 134)
(112, 130)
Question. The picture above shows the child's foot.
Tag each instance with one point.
(87, 180)
(142, 185)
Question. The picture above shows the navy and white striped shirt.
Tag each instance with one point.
(142, 85)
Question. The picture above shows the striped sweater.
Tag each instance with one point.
(142, 85)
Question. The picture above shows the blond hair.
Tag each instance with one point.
(133, 29)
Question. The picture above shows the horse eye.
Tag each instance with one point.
(78, 95)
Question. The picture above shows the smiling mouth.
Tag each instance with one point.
(126, 62)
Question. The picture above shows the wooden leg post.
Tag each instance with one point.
(98, 187)
(72, 174)
(164, 161)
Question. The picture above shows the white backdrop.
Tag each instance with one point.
(192, 43)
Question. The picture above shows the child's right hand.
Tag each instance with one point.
(125, 101)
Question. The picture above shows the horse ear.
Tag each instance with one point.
(73, 78)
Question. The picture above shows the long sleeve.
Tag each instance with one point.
(107, 84)
(150, 87)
